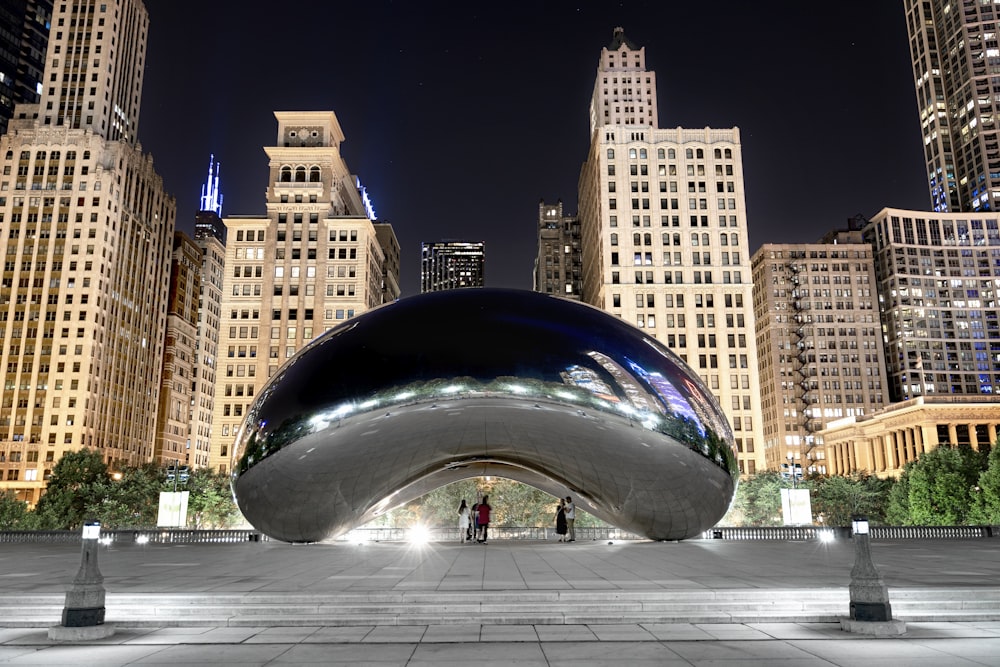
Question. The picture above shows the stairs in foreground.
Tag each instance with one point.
(541, 607)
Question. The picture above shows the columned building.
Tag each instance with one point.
(452, 265)
(953, 49)
(86, 230)
(883, 443)
(313, 261)
(174, 413)
(819, 343)
(559, 265)
(938, 292)
(664, 237)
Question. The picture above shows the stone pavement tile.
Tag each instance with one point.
(339, 634)
(75, 654)
(465, 632)
(282, 635)
(676, 631)
(612, 653)
(744, 652)
(9, 653)
(873, 652)
(483, 654)
(347, 654)
(565, 633)
(396, 634)
(626, 632)
(800, 630)
(28, 637)
(941, 630)
(207, 635)
(509, 633)
(207, 654)
(973, 648)
(731, 631)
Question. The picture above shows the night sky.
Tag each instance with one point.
(460, 117)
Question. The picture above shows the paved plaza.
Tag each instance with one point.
(728, 567)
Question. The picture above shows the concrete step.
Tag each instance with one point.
(503, 607)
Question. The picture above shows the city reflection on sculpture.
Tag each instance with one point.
(444, 386)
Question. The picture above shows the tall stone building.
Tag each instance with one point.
(86, 232)
(937, 279)
(210, 237)
(452, 265)
(174, 413)
(312, 262)
(953, 49)
(819, 343)
(24, 35)
(559, 265)
(664, 236)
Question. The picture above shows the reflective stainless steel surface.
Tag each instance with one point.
(448, 385)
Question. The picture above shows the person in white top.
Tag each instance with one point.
(570, 511)
(464, 516)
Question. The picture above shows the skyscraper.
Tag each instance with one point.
(819, 344)
(559, 265)
(451, 265)
(664, 236)
(313, 261)
(24, 34)
(210, 237)
(87, 234)
(953, 48)
(937, 283)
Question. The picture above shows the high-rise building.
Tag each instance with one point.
(87, 234)
(210, 237)
(451, 265)
(24, 34)
(174, 412)
(953, 48)
(937, 279)
(313, 261)
(664, 237)
(819, 344)
(559, 265)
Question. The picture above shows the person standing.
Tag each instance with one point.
(570, 512)
(464, 516)
(484, 517)
(561, 520)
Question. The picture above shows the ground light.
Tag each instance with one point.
(418, 534)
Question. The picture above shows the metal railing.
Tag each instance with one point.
(136, 535)
(844, 532)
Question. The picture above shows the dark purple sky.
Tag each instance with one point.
(460, 117)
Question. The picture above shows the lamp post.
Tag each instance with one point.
(791, 467)
(83, 613)
(870, 610)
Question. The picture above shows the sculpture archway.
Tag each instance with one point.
(463, 383)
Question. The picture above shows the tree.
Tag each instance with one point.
(986, 502)
(131, 498)
(757, 501)
(210, 500)
(838, 498)
(938, 488)
(78, 482)
(14, 514)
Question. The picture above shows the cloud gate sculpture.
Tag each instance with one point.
(448, 385)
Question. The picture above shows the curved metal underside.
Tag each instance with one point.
(449, 385)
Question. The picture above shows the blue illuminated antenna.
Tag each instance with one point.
(211, 198)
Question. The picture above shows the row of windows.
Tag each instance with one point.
(671, 154)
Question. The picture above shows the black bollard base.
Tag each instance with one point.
(80, 618)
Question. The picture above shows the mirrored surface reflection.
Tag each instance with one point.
(448, 385)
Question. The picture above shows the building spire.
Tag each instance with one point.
(211, 198)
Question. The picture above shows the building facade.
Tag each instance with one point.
(883, 443)
(819, 345)
(24, 35)
(312, 262)
(953, 49)
(937, 279)
(174, 413)
(86, 231)
(559, 265)
(452, 265)
(664, 237)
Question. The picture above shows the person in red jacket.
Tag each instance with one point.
(484, 517)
